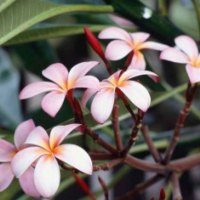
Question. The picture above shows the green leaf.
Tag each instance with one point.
(47, 31)
(23, 14)
(160, 27)
(5, 3)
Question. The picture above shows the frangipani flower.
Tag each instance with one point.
(187, 53)
(63, 81)
(8, 151)
(45, 153)
(102, 104)
(125, 43)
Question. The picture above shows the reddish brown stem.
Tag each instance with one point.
(176, 187)
(136, 128)
(115, 122)
(140, 188)
(104, 187)
(190, 93)
(101, 156)
(148, 140)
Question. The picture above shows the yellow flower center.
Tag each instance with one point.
(196, 63)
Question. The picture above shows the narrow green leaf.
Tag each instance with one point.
(23, 14)
(47, 31)
(5, 3)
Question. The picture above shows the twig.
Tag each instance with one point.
(108, 165)
(141, 187)
(190, 93)
(101, 156)
(152, 148)
(133, 137)
(104, 187)
(176, 187)
(115, 122)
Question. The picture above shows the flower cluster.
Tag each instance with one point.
(36, 157)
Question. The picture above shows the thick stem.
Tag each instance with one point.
(176, 187)
(140, 187)
(190, 93)
(101, 156)
(152, 148)
(115, 123)
(136, 128)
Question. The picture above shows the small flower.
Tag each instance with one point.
(186, 52)
(8, 151)
(128, 42)
(45, 153)
(102, 104)
(63, 81)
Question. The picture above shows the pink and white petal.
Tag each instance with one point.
(193, 73)
(115, 33)
(7, 151)
(22, 131)
(36, 88)
(139, 37)
(59, 133)
(117, 50)
(188, 45)
(102, 104)
(38, 137)
(137, 62)
(6, 176)
(27, 183)
(75, 156)
(112, 79)
(57, 73)
(174, 55)
(52, 102)
(137, 94)
(154, 45)
(47, 176)
(80, 70)
(87, 95)
(87, 82)
(131, 73)
(24, 159)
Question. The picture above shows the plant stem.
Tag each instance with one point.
(190, 93)
(197, 11)
(176, 187)
(104, 187)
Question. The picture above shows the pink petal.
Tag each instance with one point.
(102, 105)
(38, 137)
(24, 159)
(117, 49)
(79, 71)
(188, 45)
(87, 82)
(22, 131)
(59, 133)
(47, 176)
(87, 94)
(140, 37)
(174, 55)
(7, 151)
(131, 73)
(193, 73)
(154, 45)
(75, 156)
(27, 183)
(6, 176)
(37, 88)
(137, 62)
(52, 102)
(137, 94)
(57, 73)
(115, 33)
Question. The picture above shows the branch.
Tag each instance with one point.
(176, 187)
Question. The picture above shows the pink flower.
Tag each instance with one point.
(187, 53)
(45, 153)
(63, 81)
(8, 151)
(102, 104)
(128, 42)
